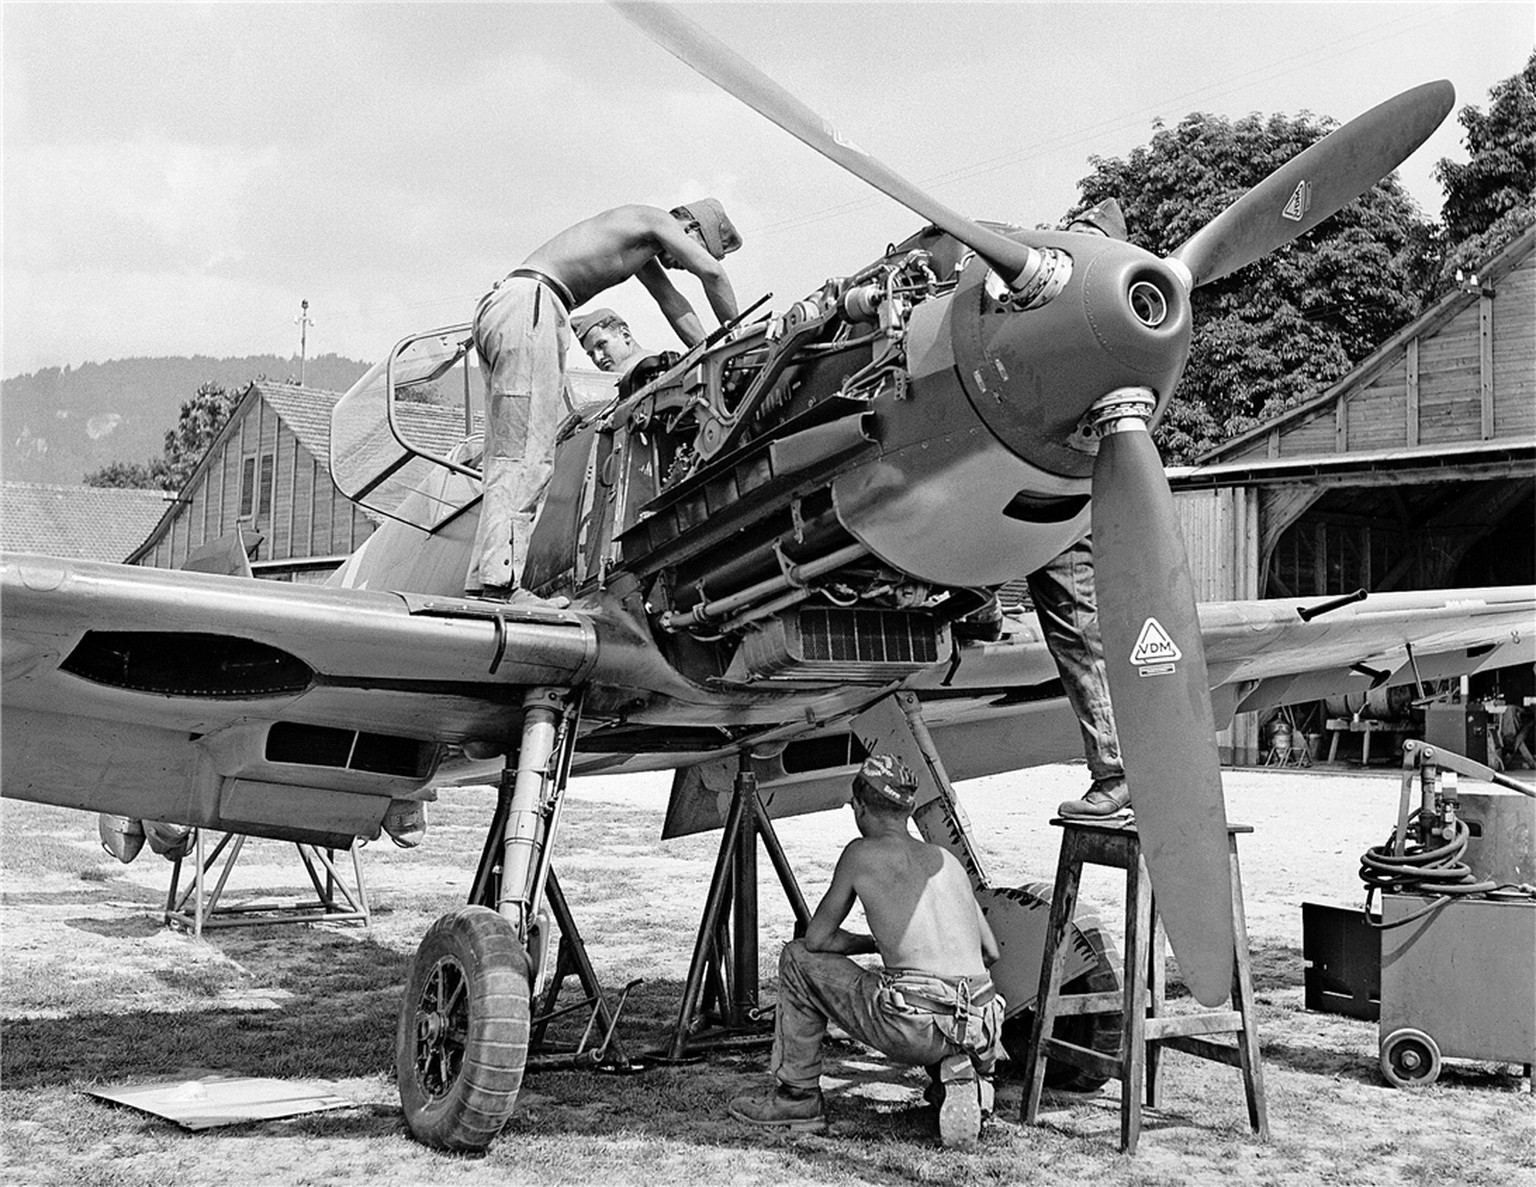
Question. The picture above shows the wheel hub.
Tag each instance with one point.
(442, 1022)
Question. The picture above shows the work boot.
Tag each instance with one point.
(986, 1093)
(960, 1109)
(799, 1110)
(1105, 798)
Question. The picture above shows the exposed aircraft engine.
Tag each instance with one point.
(803, 500)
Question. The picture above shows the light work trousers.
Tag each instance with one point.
(522, 332)
(885, 1009)
(1068, 610)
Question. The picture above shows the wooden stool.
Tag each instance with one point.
(1146, 1029)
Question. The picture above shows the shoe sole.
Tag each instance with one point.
(960, 1111)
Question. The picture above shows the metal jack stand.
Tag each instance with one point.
(722, 977)
(335, 901)
(571, 960)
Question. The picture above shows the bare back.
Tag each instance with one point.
(919, 905)
(607, 249)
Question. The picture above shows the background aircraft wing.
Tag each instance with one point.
(1266, 653)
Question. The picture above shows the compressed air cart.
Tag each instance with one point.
(1458, 920)
(1460, 981)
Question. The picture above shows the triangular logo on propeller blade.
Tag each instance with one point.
(1299, 202)
(1155, 652)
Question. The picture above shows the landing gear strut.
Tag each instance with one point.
(462, 1039)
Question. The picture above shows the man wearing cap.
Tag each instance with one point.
(932, 1003)
(521, 333)
(606, 338)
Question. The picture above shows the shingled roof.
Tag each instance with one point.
(306, 411)
(98, 523)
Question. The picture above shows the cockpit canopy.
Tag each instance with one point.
(406, 439)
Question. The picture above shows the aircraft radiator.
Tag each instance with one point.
(836, 643)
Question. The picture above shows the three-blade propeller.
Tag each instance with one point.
(1153, 648)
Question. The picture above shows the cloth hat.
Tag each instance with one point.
(583, 322)
(1106, 216)
(719, 233)
(889, 777)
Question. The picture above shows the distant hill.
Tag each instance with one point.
(59, 424)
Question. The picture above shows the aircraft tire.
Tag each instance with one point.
(462, 1037)
(1098, 1032)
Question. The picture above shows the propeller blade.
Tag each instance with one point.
(1315, 184)
(1016, 263)
(1157, 680)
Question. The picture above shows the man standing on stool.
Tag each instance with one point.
(522, 330)
(1067, 606)
(932, 1004)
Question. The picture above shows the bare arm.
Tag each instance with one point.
(989, 949)
(674, 306)
(692, 257)
(826, 932)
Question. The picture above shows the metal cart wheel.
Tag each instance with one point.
(1409, 1059)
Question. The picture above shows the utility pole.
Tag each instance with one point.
(303, 322)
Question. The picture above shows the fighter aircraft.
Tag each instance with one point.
(768, 549)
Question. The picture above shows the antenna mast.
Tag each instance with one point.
(303, 322)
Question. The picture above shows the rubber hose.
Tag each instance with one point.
(1419, 870)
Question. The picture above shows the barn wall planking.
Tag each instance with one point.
(1310, 436)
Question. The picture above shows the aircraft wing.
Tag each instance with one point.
(299, 710)
(152, 693)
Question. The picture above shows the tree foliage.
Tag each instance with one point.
(1282, 329)
(1492, 198)
(128, 475)
(201, 419)
(199, 423)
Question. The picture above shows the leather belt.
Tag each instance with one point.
(549, 282)
(918, 1001)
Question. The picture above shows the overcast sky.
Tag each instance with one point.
(177, 177)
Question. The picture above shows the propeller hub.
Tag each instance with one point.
(1124, 410)
(1148, 304)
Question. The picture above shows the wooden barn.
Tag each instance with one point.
(1414, 471)
(267, 475)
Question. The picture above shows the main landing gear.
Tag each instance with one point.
(462, 1039)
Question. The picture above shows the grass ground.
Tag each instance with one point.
(93, 991)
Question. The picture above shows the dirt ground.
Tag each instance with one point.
(95, 991)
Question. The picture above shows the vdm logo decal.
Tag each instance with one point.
(1155, 653)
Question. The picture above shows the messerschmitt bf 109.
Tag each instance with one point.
(766, 547)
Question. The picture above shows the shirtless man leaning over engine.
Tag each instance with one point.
(522, 331)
